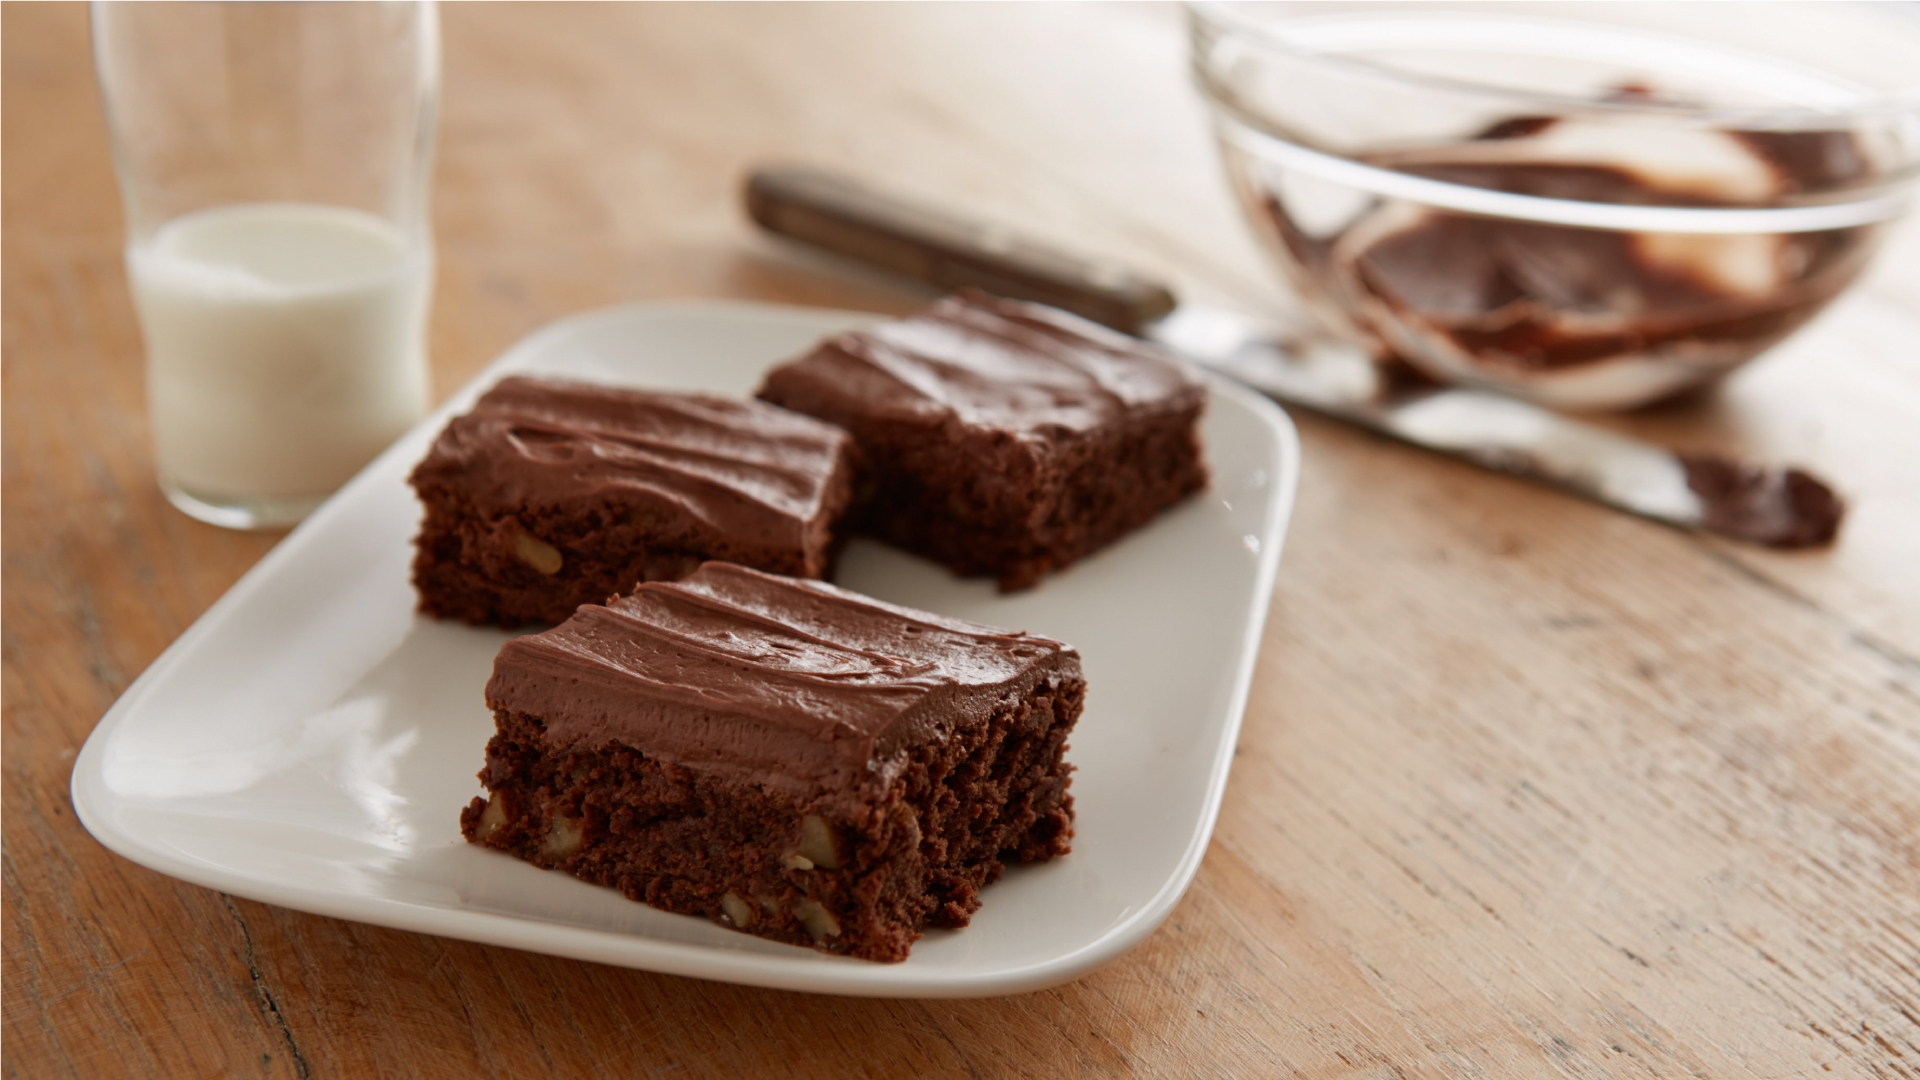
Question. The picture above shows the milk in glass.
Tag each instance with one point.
(285, 346)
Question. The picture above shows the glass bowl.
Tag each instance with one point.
(1590, 206)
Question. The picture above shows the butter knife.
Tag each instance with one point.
(1779, 507)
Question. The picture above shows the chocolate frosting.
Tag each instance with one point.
(1519, 298)
(986, 362)
(1784, 508)
(751, 473)
(1531, 296)
(796, 685)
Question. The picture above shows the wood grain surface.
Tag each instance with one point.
(1526, 788)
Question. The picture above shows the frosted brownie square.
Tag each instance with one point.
(784, 757)
(551, 494)
(1005, 439)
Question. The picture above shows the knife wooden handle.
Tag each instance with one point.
(848, 218)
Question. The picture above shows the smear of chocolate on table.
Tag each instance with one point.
(1778, 507)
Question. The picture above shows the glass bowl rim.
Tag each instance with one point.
(1227, 17)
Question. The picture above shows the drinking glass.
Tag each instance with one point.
(274, 161)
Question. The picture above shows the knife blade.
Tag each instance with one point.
(1780, 507)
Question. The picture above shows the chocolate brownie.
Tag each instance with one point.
(783, 757)
(1006, 439)
(552, 494)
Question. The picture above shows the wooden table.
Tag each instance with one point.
(1526, 788)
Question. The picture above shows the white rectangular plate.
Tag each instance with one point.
(311, 740)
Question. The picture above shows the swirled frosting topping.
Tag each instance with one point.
(797, 684)
(1002, 364)
(742, 469)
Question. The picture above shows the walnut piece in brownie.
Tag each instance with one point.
(553, 494)
(1005, 439)
(784, 757)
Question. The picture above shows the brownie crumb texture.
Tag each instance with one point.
(755, 860)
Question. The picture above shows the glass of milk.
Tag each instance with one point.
(274, 161)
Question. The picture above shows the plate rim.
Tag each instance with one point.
(94, 806)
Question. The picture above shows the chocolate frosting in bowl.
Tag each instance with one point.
(1529, 296)
(797, 685)
(1577, 316)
